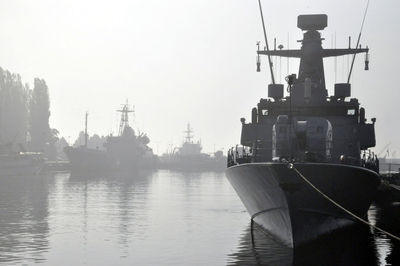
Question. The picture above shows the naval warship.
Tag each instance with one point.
(127, 151)
(306, 135)
(190, 157)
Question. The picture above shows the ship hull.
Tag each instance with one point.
(83, 159)
(290, 209)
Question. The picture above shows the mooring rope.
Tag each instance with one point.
(395, 187)
(291, 166)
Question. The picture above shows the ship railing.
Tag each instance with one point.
(239, 155)
(370, 161)
(367, 160)
(261, 151)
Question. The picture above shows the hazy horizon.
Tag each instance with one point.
(185, 62)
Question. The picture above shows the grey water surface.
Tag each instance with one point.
(160, 218)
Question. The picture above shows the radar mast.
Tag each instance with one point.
(124, 117)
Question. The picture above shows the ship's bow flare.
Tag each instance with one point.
(294, 212)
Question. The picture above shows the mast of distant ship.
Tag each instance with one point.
(124, 117)
(189, 135)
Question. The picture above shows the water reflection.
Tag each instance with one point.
(112, 202)
(161, 218)
(387, 216)
(356, 245)
(351, 246)
(260, 250)
(24, 228)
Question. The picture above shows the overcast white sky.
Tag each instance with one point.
(182, 61)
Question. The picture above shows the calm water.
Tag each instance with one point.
(160, 218)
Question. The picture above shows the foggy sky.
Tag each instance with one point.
(182, 61)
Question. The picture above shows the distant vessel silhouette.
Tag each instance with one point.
(127, 151)
(190, 157)
(306, 135)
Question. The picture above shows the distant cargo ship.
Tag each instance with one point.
(127, 151)
(190, 157)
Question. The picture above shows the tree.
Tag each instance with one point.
(80, 141)
(51, 144)
(97, 142)
(60, 145)
(24, 116)
(39, 116)
(94, 142)
(14, 97)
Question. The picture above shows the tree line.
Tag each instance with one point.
(24, 116)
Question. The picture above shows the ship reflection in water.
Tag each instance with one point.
(355, 245)
(161, 218)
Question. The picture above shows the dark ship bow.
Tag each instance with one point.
(290, 209)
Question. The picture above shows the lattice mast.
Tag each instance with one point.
(189, 135)
(124, 117)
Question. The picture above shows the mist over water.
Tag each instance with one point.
(158, 218)
(116, 119)
(181, 61)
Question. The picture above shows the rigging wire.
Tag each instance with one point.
(266, 43)
(292, 166)
(358, 42)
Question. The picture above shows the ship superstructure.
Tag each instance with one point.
(127, 151)
(189, 147)
(189, 156)
(321, 136)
